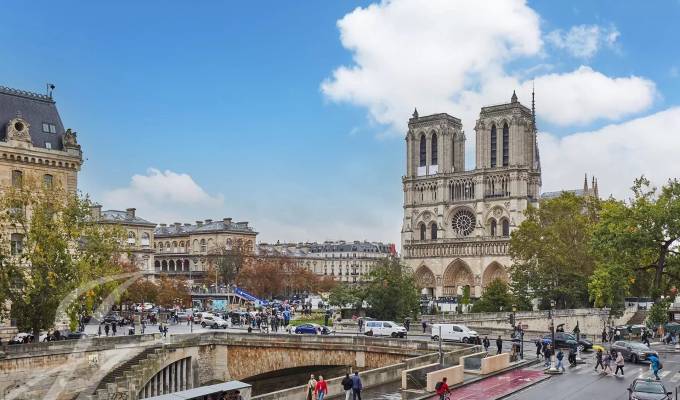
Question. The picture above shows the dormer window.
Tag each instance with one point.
(48, 145)
(49, 128)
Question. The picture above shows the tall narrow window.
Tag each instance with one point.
(506, 228)
(17, 178)
(493, 146)
(17, 243)
(493, 227)
(506, 145)
(433, 156)
(422, 231)
(204, 246)
(423, 150)
(433, 231)
(48, 181)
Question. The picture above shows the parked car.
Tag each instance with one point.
(20, 338)
(67, 335)
(455, 332)
(647, 389)
(567, 340)
(113, 317)
(311, 329)
(633, 351)
(213, 322)
(385, 328)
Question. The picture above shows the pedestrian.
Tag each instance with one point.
(538, 348)
(442, 389)
(572, 358)
(357, 386)
(361, 325)
(347, 386)
(321, 388)
(598, 358)
(607, 363)
(165, 331)
(619, 363)
(99, 330)
(645, 337)
(424, 325)
(560, 357)
(656, 365)
(407, 324)
(106, 329)
(487, 343)
(604, 335)
(546, 354)
(499, 345)
(113, 329)
(311, 387)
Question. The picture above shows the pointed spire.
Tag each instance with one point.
(415, 113)
(533, 106)
(597, 189)
(514, 97)
(585, 185)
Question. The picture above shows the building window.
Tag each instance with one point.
(48, 181)
(17, 243)
(493, 146)
(17, 178)
(422, 231)
(433, 231)
(433, 156)
(506, 228)
(493, 227)
(131, 238)
(423, 150)
(506, 145)
(204, 247)
(49, 128)
(48, 145)
(145, 239)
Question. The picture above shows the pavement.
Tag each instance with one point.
(497, 386)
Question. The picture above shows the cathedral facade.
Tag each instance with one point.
(457, 223)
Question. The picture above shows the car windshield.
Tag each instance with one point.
(638, 346)
(649, 387)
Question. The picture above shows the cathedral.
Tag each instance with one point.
(457, 223)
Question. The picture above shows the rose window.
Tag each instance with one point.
(463, 222)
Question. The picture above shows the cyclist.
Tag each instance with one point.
(442, 389)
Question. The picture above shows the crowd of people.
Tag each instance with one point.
(317, 389)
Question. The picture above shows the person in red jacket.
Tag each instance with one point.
(442, 389)
(321, 388)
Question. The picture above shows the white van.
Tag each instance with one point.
(384, 328)
(455, 332)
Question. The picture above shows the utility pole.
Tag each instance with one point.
(441, 354)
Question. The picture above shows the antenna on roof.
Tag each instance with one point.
(50, 88)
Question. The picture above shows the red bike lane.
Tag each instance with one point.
(497, 386)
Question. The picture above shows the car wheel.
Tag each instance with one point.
(435, 338)
(634, 358)
(203, 324)
(465, 340)
(394, 334)
(580, 347)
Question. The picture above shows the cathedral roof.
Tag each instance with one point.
(36, 109)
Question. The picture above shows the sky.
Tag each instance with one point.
(292, 115)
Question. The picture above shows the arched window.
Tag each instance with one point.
(433, 231)
(229, 245)
(48, 181)
(195, 245)
(171, 265)
(164, 266)
(506, 227)
(157, 265)
(186, 265)
(433, 145)
(145, 239)
(131, 238)
(422, 231)
(493, 145)
(493, 227)
(506, 145)
(204, 246)
(423, 150)
(16, 244)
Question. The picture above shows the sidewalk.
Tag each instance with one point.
(498, 386)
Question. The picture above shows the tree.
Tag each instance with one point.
(658, 313)
(173, 292)
(228, 262)
(347, 295)
(636, 242)
(264, 276)
(496, 298)
(54, 247)
(391, 291)
(551, 251)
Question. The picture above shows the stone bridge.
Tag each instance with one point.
(137, 367)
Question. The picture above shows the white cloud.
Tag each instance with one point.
(164, 196)
(443, 56)
(615, 154)
(584, 41)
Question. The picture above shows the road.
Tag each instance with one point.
(582, 382)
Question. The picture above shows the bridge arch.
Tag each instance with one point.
(175, 374)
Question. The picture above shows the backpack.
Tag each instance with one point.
(438, 385)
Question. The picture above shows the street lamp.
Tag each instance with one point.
(553, 366)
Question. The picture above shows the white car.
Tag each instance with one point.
(385, 328)
(454, 332)
(213, 322)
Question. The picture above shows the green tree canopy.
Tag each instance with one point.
(496, 298)
(391, 291)
(551, 252)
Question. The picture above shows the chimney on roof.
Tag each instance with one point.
(227, 221)
(96, 211)
(243, 224)
(207, 221)
(163, 225)
(199, 223)
(187, 224)
(130, 212)
(177, 224)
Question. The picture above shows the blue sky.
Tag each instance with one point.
(235, 108)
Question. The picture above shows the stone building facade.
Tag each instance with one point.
(457, 223)
(346, 262)
(184, 249)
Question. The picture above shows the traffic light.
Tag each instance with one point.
(511, 319)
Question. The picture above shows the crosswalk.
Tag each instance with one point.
(638, 371)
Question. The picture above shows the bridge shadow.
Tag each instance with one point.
(290, 377)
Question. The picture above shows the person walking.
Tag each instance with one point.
(321, 388)
(645, 337)
(619, 363)
(114, 329)
(407, 324)
(424, 325)
(347, 386)
(546, 354)
(311, 387)
(442, 389)
(499, 345)
(560, 357)
(486, 343)
(604, 335)
(598, 358)
(106, 329)
(539, 345)
(357, 386)
(608, 363)
(656, 365)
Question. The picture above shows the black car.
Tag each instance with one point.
(566, 340)
(646, 389)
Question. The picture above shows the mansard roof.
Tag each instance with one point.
(209, 226)
(123, 217)
(35, 109)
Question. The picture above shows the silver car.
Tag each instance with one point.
(633, 351)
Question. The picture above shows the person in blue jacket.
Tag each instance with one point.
(656, 365)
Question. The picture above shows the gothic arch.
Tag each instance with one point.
(424, 277)
(456, 276)
(492, 272)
